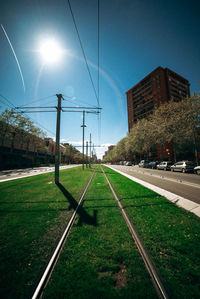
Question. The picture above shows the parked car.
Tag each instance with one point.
(183, 166)
(164, 165)
(153, 164)
(128, 163)
(143, 163)
(197, 170)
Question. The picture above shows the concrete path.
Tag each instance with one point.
(14, 174)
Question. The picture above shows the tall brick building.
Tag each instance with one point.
(160, 86)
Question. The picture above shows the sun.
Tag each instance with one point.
(50, 51)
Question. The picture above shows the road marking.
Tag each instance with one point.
(166, 178)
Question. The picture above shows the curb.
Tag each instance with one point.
(174, 198)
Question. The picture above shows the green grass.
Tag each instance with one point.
(171, 235)
(34, 213)
(100, 259)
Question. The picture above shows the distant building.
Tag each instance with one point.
(160, 86)
(110, 148)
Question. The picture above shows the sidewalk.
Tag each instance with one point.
(174, 198)
(14, 174)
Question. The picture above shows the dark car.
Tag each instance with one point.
(153, 164)
(183, 166)
(164, 165)
(143, 163)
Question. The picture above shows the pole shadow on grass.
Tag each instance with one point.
(84, 217)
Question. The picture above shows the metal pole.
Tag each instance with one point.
(57, 151)
(86, 154)
(90, 150)
(83, 126)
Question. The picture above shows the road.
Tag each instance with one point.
(186, 185)
(13, 174)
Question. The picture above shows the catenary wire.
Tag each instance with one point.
(98, 68)
(11, 104)
(76, 102)
(8, 101)
(75, 25)
(98, 49)
(37, 100)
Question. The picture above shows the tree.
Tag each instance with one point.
(14, 125)
(8, 125)
(177, 123)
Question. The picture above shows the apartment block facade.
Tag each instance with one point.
(160, 86)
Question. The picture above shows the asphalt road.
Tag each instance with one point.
(186, 185)
(13, 174)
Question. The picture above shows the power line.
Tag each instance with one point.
(75, 25)
(11, 104)
(53, 133)
(98, 47)
(98, 63)
(37, 100)
(74, 101)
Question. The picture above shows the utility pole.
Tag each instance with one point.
(86, 154)
(83, 126)
(90, 150)
(95, 110)
(57, 151)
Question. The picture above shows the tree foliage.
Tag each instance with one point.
(15, 126)
(175, 123)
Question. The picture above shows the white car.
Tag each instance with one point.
(197, 170)
(165, 165)
(183, 166)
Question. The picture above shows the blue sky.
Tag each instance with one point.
(136, 36)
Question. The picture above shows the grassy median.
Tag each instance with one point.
(171, 234)
(100, 259)
(34, 212)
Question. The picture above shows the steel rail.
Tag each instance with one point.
(155, 276)
(53, 261)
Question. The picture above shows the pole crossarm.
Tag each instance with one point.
(51, 107)
(59, 109)
(36, 107)
(35, 111)
(94, 112)
(69, 107)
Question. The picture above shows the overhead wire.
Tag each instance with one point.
(8, 101)
(13, 106)
(37, 100)
(98, 64)
(98, 59)
(98, 48)
(83, 52)
(76, 102)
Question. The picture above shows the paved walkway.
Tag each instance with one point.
(14, 174)
(174, 198)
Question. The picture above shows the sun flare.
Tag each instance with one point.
(50, 51)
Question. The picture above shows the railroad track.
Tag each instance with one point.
(150, 266)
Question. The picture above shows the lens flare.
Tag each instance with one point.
(50, 51)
